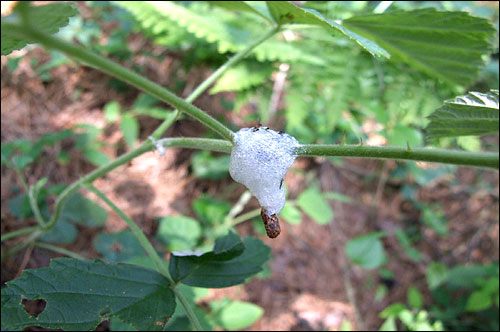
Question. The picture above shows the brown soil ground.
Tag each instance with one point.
(311, 279)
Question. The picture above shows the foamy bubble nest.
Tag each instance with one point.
(260, 159)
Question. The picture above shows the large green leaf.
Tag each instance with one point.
(285, 12)
(367, 250)
(473, 114)
(229, 264)
(447, 45)
(48, 18)
(80, 294)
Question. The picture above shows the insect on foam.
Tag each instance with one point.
(260, 159)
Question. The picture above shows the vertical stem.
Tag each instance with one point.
(189, 311)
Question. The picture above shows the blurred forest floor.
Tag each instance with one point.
(311, 279)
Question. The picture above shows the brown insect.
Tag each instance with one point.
(271, 223)
(256, 127)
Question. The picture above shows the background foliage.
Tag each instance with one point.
(382, 79)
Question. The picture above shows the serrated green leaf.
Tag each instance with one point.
(49, 19)
(118, 247)
(315, 206)
(80, 294)
(130, 129)
(241, 77)
(171, 25)
(179, 232)
(285, 12)
(237, 315)
(447, 45)
(367, 250)
(83, 211)
(473, 114)
(208, 270)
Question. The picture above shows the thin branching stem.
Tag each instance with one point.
(59, 250)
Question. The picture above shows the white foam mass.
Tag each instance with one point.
(260, 159)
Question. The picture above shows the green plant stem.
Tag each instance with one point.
(245, 217)
(29, 192)
(122, 73)
(464, 158)
(20, 246)
(138, 233)
(19, 232)
(187, 308)
(211, 144)
(59, 250)
(34, 206)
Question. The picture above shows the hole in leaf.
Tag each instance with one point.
(34, 307)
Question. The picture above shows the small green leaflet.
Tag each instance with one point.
(446, 45)
(285, 12)
(80, 294)
(473, 114)
(235, 315)
(48, 18)
(367, 250)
